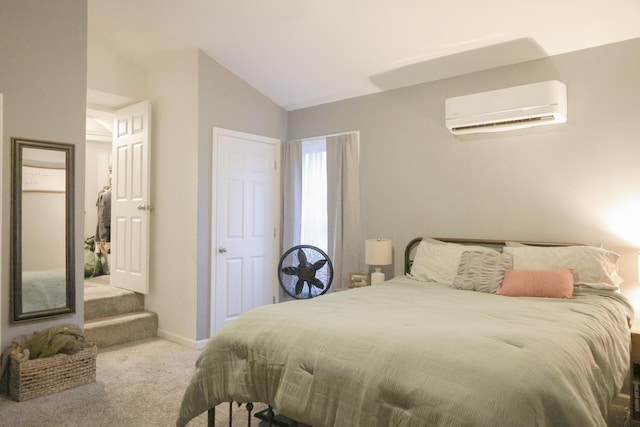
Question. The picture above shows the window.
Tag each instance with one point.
(313, 215)
(321, 200)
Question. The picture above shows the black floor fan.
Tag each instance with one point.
(305, 271)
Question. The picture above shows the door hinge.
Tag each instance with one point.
(275, 165)
(274, 299)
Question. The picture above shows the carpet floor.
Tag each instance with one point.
(137, 384)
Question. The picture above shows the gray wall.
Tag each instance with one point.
(190, 94)
(43, 46)
(228, 102)
(172, 89)
(577, 182)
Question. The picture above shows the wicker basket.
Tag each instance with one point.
(40, 377)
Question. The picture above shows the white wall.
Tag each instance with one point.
(173, 92)
(109, 73)
(43, 79)
(577, 182)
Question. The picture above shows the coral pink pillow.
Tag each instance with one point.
(556, 283)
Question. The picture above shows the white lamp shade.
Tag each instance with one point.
(378, 252)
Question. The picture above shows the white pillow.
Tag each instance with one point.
(438, 261)
(592, 267)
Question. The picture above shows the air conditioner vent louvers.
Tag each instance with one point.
(505, 123)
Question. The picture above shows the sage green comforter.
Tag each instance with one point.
(409, 353)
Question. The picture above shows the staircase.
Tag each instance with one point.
(116, 316)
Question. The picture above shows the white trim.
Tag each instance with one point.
(333, 134)
(178, 339)
(1, 221)
(200, 344)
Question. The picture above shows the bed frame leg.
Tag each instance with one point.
(249, 407)
(211, 417)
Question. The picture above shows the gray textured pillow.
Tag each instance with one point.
(482, 271)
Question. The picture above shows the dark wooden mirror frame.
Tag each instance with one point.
(17, 313)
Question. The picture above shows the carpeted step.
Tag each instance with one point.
(122, 328)
(104, 301)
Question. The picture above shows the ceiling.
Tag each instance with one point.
(301, 53)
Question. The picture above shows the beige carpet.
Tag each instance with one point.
(137, 384)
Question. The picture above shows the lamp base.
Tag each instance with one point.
(377, 276)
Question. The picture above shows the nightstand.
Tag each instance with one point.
(634, 372)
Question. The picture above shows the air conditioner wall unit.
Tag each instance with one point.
(535, 104)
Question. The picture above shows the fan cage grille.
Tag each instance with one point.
(291, 262)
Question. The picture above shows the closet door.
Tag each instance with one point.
(245, 236)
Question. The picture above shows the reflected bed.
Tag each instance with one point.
(43, 290)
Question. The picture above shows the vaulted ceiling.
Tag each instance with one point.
(302, 53)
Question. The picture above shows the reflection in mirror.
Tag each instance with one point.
(42, 239)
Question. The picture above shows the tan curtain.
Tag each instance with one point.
(291, 193)
(345, 244)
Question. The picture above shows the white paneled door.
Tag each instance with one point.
(245, 230)
(130, 203)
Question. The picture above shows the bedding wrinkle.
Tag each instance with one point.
(512, 343)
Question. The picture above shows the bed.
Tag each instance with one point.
(447, 344)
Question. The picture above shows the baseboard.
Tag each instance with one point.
(178, 339)
(201, 343)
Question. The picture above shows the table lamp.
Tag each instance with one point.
(377, 252)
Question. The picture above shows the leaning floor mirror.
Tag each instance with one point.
(42, 229)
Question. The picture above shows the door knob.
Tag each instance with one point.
(222, 249)
(141, 207)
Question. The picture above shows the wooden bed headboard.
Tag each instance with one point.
(410, 250)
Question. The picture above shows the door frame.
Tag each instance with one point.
(1, 210)
(217, 131)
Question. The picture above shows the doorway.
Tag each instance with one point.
(117, 156)
(116, 260)
(98, 163)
